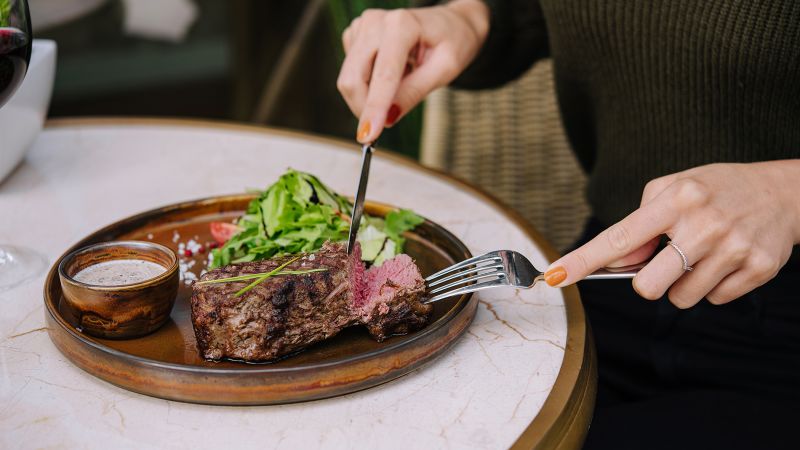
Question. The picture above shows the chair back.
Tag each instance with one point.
(510, 141)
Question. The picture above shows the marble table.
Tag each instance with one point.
(522, 376)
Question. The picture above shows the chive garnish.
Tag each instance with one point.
(253, 276)
(260, 277)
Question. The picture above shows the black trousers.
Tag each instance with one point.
(706, 377)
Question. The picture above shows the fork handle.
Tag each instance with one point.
(616, 272)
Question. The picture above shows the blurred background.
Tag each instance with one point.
(267, 62)
(275, 63)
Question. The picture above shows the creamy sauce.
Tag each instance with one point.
(119, 272)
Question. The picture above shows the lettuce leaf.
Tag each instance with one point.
(298, 213)
(398, 222)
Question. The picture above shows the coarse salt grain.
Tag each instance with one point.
(190, 277)
(194, 246)
(181, 270)
(185, 274)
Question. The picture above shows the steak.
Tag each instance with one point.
(392, 301)
(287, 313)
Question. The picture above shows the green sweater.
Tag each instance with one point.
(649, 88)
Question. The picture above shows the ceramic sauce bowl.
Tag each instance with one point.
(116, 298)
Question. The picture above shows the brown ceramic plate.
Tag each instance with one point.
(166, 363)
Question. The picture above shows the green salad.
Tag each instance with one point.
(298, 213)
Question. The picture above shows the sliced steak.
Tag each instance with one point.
(392, 302)
(287, 313)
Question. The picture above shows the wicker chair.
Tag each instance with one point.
(510, 141)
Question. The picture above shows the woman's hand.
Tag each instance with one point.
(736, 223)
(396, 58)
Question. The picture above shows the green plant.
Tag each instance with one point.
(404, 137)
(5, 12)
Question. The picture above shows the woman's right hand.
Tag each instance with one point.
(395, 58)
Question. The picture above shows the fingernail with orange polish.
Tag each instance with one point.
(363, 132)
(392, 115)
(555, 276)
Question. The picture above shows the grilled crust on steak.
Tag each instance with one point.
(279, 316)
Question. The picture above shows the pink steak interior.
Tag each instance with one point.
(380, 285)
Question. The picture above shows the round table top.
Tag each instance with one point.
(521, 376)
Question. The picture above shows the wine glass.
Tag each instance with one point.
(16, 43)
(17, 264)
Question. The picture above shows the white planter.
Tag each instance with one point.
(22, 117)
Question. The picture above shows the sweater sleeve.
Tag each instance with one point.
(517, 38)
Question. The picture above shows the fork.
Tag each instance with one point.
(499, 269)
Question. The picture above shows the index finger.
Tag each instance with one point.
(387, 72)
(617, 241)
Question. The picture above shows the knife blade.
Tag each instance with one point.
(358, 204)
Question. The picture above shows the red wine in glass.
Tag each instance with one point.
(16, 42)
(15, 54)
(18, 264)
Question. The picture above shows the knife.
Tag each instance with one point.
(358, 204)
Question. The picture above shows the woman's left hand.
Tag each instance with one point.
(736, 224)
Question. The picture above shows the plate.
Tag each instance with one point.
(166, 363)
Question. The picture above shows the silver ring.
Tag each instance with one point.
(686, 266)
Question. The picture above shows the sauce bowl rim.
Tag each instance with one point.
(66, 260)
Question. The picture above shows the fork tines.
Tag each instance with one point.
(467, 276)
